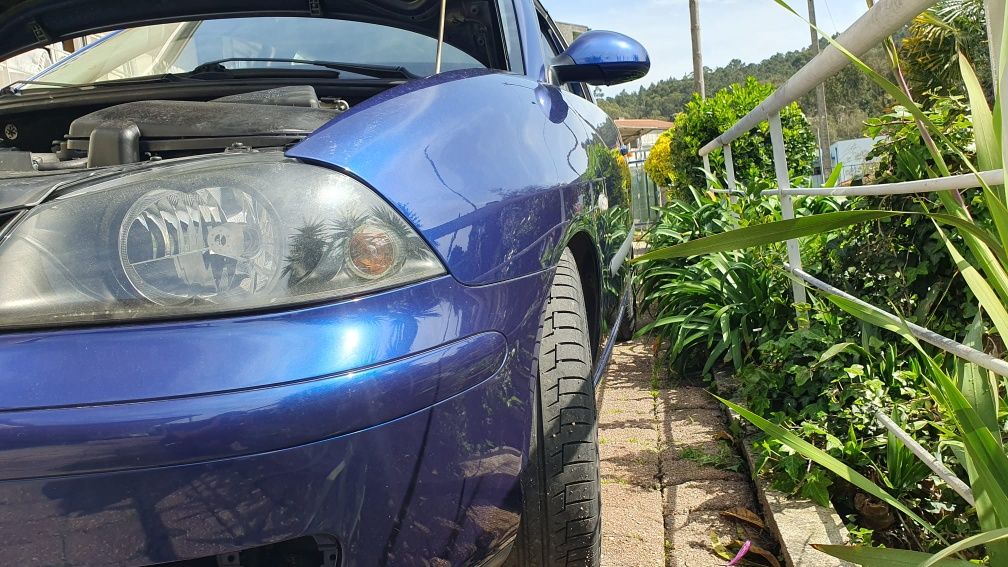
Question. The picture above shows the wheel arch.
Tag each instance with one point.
(586, 254)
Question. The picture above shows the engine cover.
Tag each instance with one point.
(123, 133)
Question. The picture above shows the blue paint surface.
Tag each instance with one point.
(397, 422)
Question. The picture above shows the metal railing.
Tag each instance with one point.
(881, 21)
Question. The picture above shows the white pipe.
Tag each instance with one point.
(982, 359)
(954, 182)
(936, 466)
(440, 41)
(881, 21)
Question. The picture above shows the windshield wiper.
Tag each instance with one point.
(376, 71)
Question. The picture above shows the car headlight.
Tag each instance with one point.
(214, 235)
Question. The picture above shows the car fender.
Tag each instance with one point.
(490, 167)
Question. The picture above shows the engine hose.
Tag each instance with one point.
(80, 163)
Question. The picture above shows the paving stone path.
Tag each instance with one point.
(667, 470)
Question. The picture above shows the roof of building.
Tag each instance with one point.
(633, 129)
(643, 124)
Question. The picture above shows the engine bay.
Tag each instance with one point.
(150, 130)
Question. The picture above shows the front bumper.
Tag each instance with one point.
(396, 424)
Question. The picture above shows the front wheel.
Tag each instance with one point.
(561, 520)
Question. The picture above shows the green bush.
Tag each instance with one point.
(714, 309)
(900, 150)
(911, 270)
(704, 119)
(733, 309)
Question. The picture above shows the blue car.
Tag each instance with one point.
(319, 283)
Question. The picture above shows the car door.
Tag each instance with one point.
(609, 177)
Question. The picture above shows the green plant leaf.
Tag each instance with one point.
(816, 487)
(834, 177)
(882, 557)
(831, 464)
(973, 541)
(981, 391)
(976, 383)
(984, 293)
(973, 229)
(835, 350)
(986, 453)
(988, 143)
(767, 233)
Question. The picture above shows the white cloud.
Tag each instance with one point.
(750, 30)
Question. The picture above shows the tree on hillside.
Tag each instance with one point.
(934, 41)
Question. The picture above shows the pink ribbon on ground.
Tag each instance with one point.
(742, 553)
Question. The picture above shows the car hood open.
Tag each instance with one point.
(27, 24)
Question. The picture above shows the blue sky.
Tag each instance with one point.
(750, 30)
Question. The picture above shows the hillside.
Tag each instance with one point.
(851, 97)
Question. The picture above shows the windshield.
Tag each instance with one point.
(181, 47)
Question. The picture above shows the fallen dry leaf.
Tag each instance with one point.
(724, 436)
(719, 548)
(745, 515)
(770, 558)
(723, 550)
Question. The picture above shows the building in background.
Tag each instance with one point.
(29, 64)
(570, 31)
(641, 135)
(853, 154)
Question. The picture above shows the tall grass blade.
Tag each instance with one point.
(978, 385)
(985, 452)
(881, 557)
(973, 229)
(768, 233)
(981, 390)
(984, 293)
(834, 177)
(951, 200)
(988, 143)
(843, 471)
(979, 539)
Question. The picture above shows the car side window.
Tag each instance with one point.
(546, 42)
(551, 47)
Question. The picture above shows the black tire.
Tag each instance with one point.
(628, 325)
(561, 520)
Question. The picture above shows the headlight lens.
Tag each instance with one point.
(214, 235)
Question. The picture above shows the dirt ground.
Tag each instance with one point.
(668, 471)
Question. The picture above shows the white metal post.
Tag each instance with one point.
(729, 165)
(787, 208)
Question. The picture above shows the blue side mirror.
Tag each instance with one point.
(601, 58)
